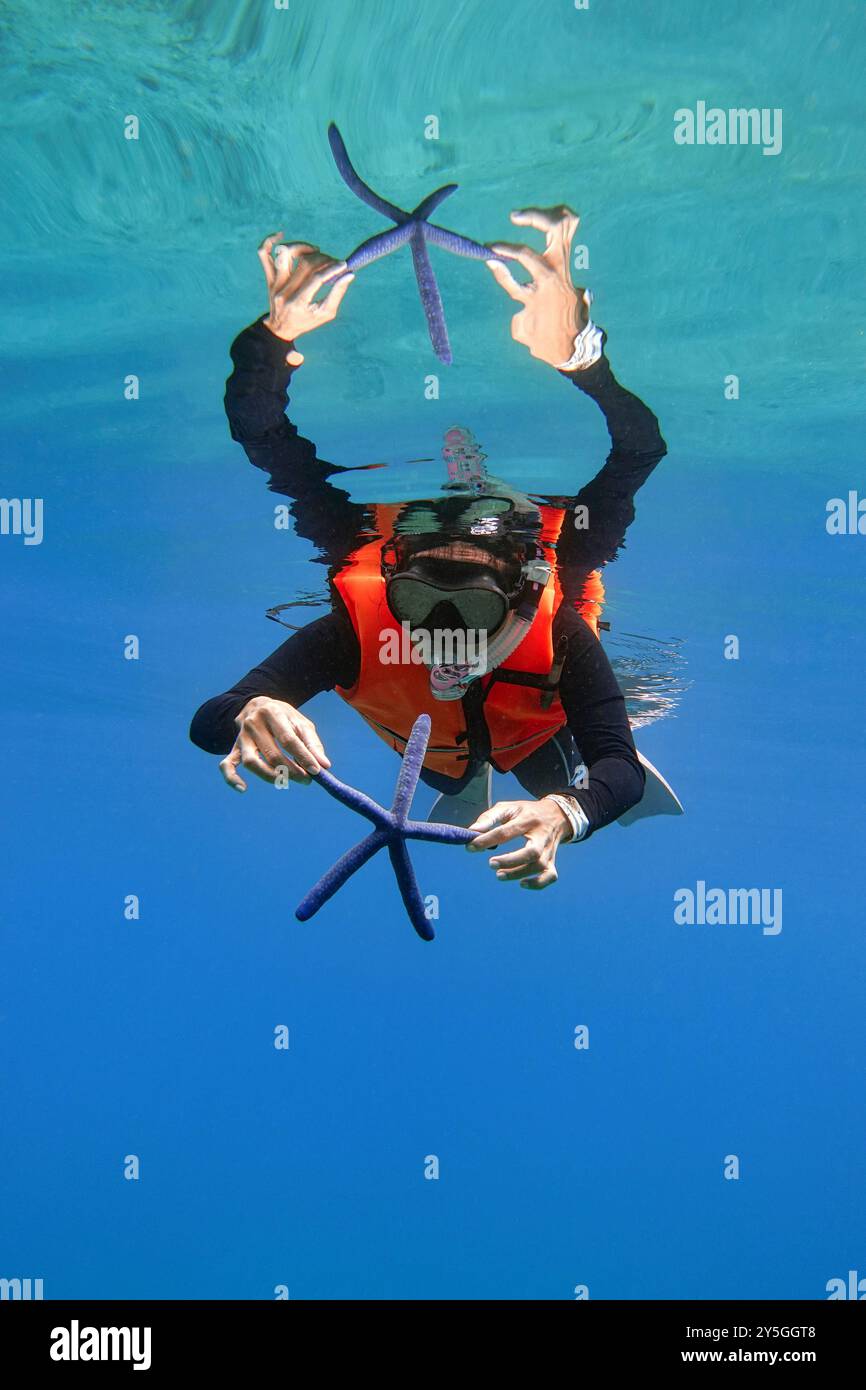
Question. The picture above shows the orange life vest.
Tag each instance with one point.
(519, 718)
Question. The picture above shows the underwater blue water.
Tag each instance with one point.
(558, 1167)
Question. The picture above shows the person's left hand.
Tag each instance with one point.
(295, 272)
(554, 312)
(543, 824)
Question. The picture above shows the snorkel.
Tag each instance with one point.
(452, 682)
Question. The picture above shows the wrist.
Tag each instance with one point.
(268, 323)
(563, 822)
(555, 355)
(576, 823)
(288, 352)
(253, 705)
(585, 351)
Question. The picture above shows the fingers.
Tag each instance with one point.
(294, 734)
(328, 307)
(519, 862)
(559, 225)
(286, 260)
(274, 740)
(545, 219)
(279, 264)
(542, 880)
(309, 264)
(228, 768)
(264, 758)
(319, 278)
(269, 763)
(531, 260)
(557, 251)
(307, 731)
(494, 826)
(531, 864)
(503, 277)
(267, 260)
(541, 219)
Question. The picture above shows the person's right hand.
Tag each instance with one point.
(553, 311)
(295, 272)
(271, 735)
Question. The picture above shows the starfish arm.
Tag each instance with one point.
(357, 184)
(459, 245)
(432, 201)
(351, 797)
(444, 834)
(409, 891)
(380, 245)
(410, 768)
(337, 875)
(430, 298)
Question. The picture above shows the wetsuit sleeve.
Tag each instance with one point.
(607, 501)
(316, 658)
(596, 714)
(255, 403)
(634, 431)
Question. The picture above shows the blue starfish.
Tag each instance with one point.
(414, 228)
(393, 828)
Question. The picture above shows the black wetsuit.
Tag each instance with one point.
(325, 653)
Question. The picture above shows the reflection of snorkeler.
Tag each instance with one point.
(544, 698)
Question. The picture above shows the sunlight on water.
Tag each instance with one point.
(234, 100)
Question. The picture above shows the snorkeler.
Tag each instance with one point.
(541, 700)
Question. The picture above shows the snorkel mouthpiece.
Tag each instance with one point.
(452, 682)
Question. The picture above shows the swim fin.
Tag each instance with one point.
(659, 798)
(467, 805)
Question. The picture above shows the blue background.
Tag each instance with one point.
(305, 1168)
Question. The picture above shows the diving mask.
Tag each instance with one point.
(475, 594)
